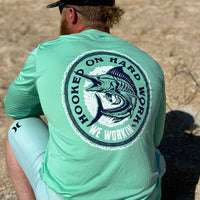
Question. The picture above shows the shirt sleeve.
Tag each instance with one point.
(160, 119)
(22, 98)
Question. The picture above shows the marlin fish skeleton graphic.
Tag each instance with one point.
(117, 85)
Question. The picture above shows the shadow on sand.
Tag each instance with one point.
(181, 149)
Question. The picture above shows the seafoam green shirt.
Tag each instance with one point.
(104, 100)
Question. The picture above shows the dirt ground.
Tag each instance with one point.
(169, 31)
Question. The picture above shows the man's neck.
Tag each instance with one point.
(84, 28)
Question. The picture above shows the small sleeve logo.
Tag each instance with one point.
(106, 97)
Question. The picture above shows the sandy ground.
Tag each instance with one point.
(169, 31)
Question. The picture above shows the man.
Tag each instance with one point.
(104, 100)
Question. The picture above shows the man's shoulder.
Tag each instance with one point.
(48, 43)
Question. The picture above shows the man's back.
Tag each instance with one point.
(101, 97)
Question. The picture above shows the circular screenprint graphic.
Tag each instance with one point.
(106, 97)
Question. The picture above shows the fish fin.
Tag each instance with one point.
(99, 112)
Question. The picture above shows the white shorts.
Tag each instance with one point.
(28, 139)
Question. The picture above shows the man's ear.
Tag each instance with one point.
(73, 16)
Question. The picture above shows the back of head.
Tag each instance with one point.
(99, 13)
(100, 16)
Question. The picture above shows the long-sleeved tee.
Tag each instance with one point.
(104, 100)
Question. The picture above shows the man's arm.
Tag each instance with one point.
(160, 119)
(22, 99)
